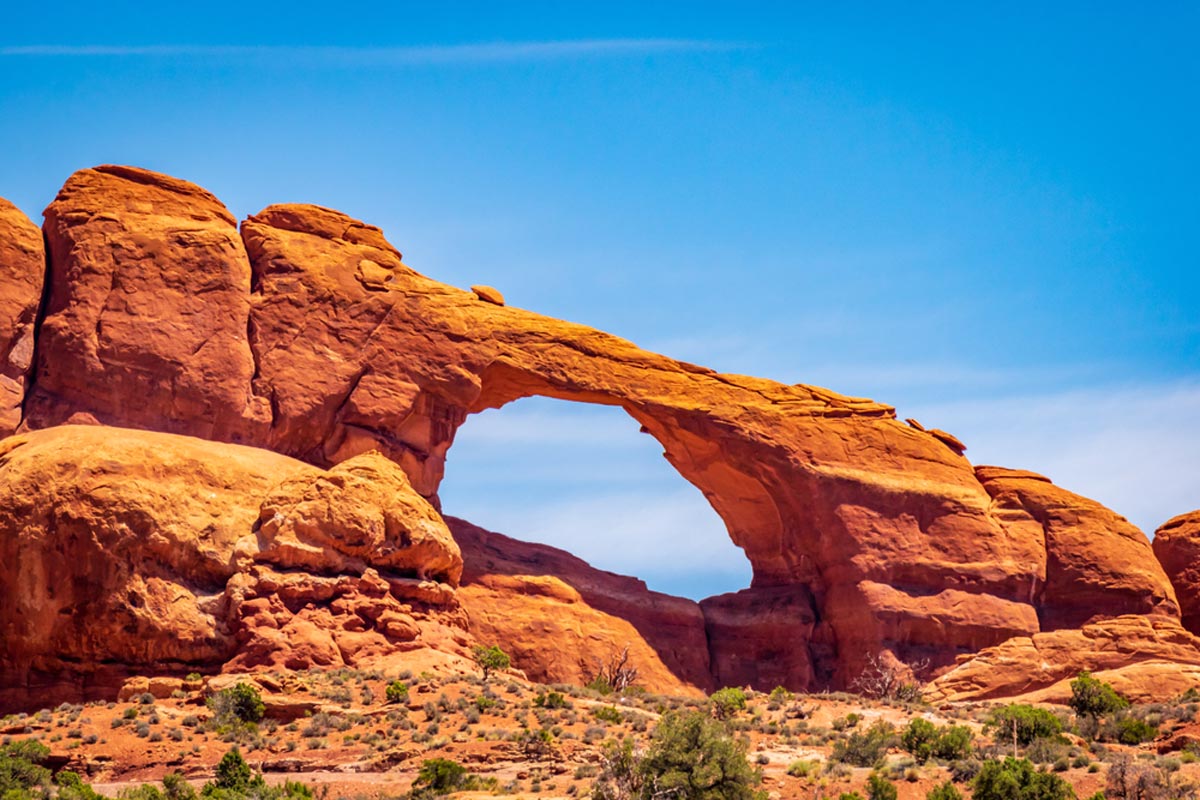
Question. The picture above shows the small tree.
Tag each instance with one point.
(614, 673)
(693, 757)
(727, 702)
(491, 659)
(1095, 698)
(233, 772)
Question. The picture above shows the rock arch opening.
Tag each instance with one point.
(582, 478)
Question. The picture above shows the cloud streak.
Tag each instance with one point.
(473, 53)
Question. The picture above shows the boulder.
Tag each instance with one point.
(137, 554)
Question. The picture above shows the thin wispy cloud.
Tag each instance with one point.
(481, 52)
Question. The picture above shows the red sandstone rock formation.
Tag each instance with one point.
(1097, 563)
(1177, 547)
(1144, 657)
(147, 310)
(135, 552)
(558, 617)
(309, 336)
(22, 270)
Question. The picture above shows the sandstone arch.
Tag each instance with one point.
(308, 335)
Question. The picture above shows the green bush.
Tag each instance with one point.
(607, 714)
(1131, 730)
(944, 791)
(954, 742)
(880, 788)
(396, 692)
(1018, 779)
(865, 748)
(1094, 698)
(693, 757)
(551, 700)
(925, 740)
(727, 702)
(440, 776)
(1030, 722)
(240, 701)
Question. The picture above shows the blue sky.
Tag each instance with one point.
(985, 217)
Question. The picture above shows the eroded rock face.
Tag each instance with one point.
(22, 272)
(1177, 547)
(560, 618)
(1145, 657)
(1097, 563)
(135, 552)
(147, 310)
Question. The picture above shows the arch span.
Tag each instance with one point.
(879, 531)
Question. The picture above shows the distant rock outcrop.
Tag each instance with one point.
(307, 335)
(1177, 546)
(22, 271)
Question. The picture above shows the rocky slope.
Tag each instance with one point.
(305, 334)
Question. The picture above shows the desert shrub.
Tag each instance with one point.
(727, 702)
(1029, 722)
(1047, 749)
(607, 714)
(1131, 730)
(802, 768)
(780, 695)
(944, 791)
(880, 788)
(396, 692)
(551, 700)
(1132, 780)
(240, 701)
(1094, 698)
(439, 776)
(865, 748)
(490, 659)
(1018, 779)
